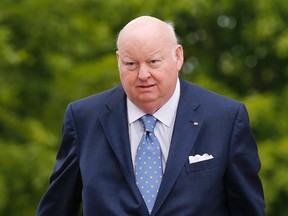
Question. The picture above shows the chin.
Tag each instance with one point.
(149, 106)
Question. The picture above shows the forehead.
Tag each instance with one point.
(139, 50)
(143, 45)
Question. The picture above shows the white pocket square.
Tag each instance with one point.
(198, 158)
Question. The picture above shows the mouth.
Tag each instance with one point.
(146, 86)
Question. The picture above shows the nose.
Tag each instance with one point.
(144, 72)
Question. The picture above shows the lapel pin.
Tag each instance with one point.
(195, 123)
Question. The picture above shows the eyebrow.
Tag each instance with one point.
(127, 57)
(155, 53)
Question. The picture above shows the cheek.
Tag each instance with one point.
(168, 80)
(168, 75)
(123, 74)
(127, 77)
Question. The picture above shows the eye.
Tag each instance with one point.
(155, 63)
(130, 65)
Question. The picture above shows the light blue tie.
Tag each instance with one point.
(148, 163)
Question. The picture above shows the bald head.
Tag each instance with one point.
(147, 26)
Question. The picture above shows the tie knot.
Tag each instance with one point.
(149, 122)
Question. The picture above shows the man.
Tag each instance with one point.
(207, 158)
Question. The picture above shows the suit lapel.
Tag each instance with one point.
(185, 133)
(115, 125)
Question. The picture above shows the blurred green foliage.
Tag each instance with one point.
(53, 52)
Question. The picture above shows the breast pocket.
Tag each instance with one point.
(203, 165)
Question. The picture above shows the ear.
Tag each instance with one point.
(118, 60)
(179, 56)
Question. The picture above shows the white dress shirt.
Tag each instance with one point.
(163, 129)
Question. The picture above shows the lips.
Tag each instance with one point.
(146, 86)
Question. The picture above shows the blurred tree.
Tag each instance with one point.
(234, 46)
(53, 52)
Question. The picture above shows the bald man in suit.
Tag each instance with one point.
(209, 158)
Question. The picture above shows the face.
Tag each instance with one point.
(149, 64)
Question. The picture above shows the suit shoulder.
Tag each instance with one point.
(98, 100)
(209, 101)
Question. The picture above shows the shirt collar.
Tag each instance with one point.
(165, 114)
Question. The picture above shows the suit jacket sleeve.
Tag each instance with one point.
(63, 196)
(244, 188)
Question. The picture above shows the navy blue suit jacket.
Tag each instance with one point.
(94, 165)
